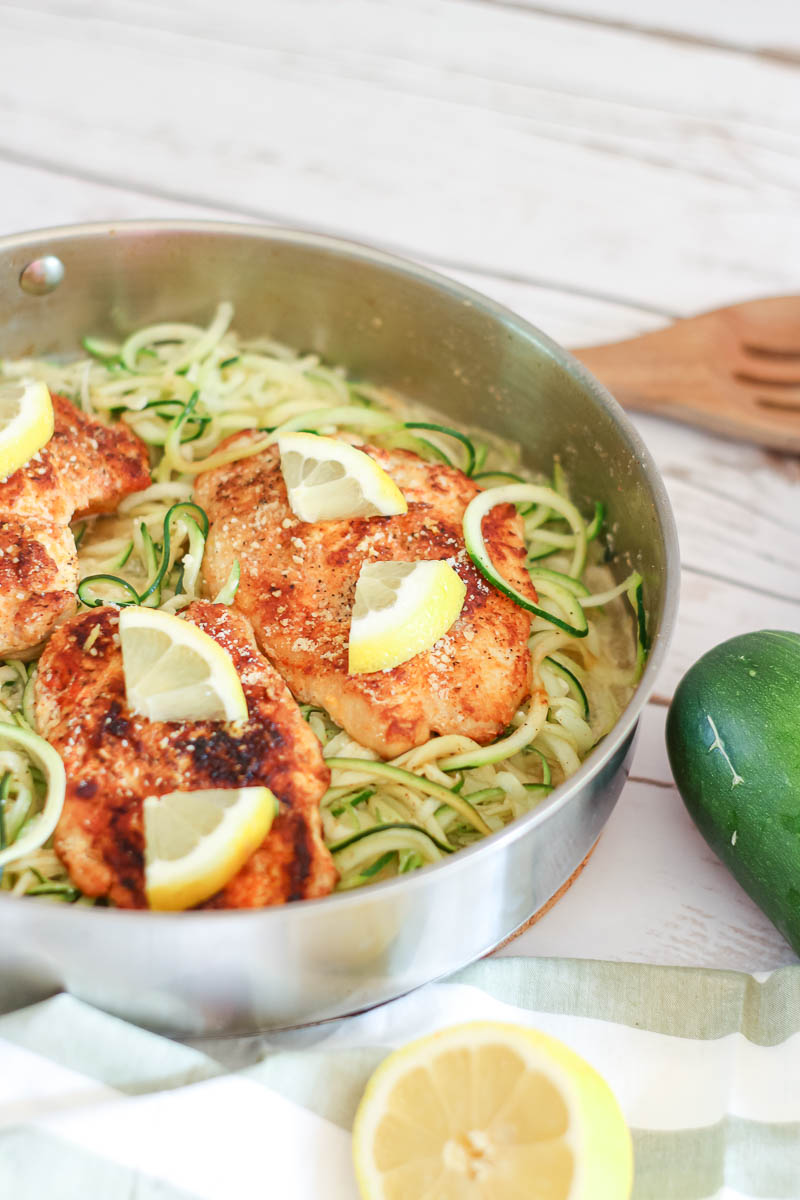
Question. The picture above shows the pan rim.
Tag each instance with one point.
(518, 326)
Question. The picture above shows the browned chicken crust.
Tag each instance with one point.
(114, 759)
(38, 578)
(298, 583)
(85, 468)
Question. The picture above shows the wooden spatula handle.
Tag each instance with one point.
(648, 374)
(698, 371)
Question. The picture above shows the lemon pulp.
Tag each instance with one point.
(488, 1111)
(327, 480)
(174, 671)
(26, 423)
(195, 842)
(400, 610)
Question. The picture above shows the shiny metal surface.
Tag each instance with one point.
(397, 324)
(42, 276)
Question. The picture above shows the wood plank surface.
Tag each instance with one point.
(479, 137)
(770, 28)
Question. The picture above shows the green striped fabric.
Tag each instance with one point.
(706, 1066)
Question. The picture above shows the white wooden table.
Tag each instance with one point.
(601, 166)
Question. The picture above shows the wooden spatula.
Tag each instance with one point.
(735, 371)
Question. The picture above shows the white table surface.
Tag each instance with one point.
(601, 166)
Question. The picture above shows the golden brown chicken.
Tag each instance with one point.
(85, 468)
(298, 583)
(38, 578)
(113, 759)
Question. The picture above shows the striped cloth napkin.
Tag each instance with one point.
(705, 1064)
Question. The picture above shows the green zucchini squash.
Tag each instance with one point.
(733, 739)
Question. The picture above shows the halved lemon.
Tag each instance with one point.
(26, 422)
(489, 1111)
(176, 672)
(401, 609)
(195, 842)
(329, 480)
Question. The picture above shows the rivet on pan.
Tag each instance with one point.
(41, 276)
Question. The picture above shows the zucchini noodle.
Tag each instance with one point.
(183, 388)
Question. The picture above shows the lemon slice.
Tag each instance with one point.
(401, 609)
(329, 480)
(490, 1110)
(195, 842)
(26, 423)
(176, 672)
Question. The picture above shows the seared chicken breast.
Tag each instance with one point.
(113, 759)
(298, 583)
(38, 578)
(85, 468)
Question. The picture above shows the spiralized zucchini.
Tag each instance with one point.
(182, 389)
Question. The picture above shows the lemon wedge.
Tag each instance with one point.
(401, 609)
(490, 1110)
(329, 480)
(176, 672)
(195, 842)
(26, 423)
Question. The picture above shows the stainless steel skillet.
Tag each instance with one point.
(201, 973)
